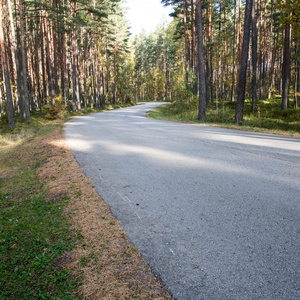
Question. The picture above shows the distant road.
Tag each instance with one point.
(215, 212)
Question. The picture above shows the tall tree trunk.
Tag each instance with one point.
(55, 64)
(85, 68)
(254, 58)
(201, 71)
(165, 78)
(37, 59)
(273, 53)
(115, 76)
(240, 39)
(209, 91)
(9, 101)
(55, 54)
(13, 45)
(297, 79)
(186, 37)
(194, 52)
(233, 55)
(48, 61)
(264, 51)
(62, 52)
(68, 76)
(221, 75)
(20, 91)
(43, 58)
(26, 115)
(243, 66)
(286, 68)
(74, 70)
(66, 70)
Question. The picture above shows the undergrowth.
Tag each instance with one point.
(267, 117)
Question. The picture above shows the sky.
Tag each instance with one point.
(146, 14)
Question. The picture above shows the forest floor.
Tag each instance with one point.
(101, 260)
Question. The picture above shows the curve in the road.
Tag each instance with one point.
(215, 212)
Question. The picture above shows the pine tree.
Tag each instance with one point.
(9, 104)
(243, 66)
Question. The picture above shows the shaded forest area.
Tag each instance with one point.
(78, 54)
(167, 61)
(62, 53)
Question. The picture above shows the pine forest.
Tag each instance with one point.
(73, 55)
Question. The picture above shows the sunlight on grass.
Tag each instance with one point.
(268, 117)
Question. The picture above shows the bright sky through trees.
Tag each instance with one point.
(146, 14)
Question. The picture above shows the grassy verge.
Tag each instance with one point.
(34, 233)
(268, 118)
(58, 239)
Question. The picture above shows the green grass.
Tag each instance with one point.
(268, 118)
(38, 125)
(34, 234)
(10, 138)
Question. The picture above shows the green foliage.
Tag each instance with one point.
(154, 57)
(158, 84)
(184, 98)
(268, 117)
(56, 111)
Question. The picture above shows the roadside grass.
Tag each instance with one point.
(268, 118)
(58, 239)
(38, 125)
(34, 232)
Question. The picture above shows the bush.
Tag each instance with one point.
(56, 111)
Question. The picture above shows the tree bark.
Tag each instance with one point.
(273, 54)
(13, 42)
(286, 68)
(44, 95)
(243, 66)
(37, 59)
(115, 76)
(26, 115)
(9, 101)
(209, 91)
(254, 58)
(75, 71)
(194, 54)
(186, 37)
(233, 55)
(201, 71)
(240, 39)
(55, 54)
(297, 78)
(48, 61)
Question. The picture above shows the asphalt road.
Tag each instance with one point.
(215, 212)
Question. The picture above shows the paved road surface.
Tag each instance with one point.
(215, 212)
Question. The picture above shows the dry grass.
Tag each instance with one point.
(107, 261)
